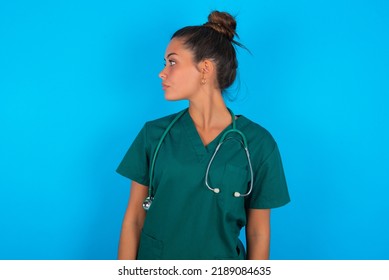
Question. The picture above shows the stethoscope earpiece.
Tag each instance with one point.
(236, 194)
(216, 190)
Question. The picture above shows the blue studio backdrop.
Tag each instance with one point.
(79, 78)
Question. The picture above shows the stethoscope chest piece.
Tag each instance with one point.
(147, 202)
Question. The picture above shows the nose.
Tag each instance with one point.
(162, 74)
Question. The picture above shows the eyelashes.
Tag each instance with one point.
(170, 62)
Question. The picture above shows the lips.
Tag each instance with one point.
(165, 86)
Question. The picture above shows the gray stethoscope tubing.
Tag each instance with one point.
(147, 202)
(244, 145)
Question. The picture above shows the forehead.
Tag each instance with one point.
(176, 46)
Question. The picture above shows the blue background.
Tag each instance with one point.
(79, 78)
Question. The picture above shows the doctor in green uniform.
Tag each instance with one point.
(200, 175)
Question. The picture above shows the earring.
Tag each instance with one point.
(203, 80)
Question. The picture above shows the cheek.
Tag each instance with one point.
(190, 77)
(184, 80)
(193, 83)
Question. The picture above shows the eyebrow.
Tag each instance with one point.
(170, 54)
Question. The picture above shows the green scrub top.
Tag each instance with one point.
(187, 220)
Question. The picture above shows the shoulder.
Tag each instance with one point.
(163, 121)
(259, 139)
(156, 127)
(255, 130)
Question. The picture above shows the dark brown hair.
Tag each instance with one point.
(214, 40)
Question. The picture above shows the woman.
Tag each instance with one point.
(197, 201)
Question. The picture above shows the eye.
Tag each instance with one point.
(171, 62)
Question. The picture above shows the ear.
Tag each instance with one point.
(207, 66)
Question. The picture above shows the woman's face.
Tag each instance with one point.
(180, 76)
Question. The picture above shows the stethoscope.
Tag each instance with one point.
(243, 141)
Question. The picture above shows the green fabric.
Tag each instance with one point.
(186, 220)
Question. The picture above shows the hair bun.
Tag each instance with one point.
(222, 22)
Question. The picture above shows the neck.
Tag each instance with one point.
(209, 111)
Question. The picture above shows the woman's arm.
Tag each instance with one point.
(132, 222)
(258, 234)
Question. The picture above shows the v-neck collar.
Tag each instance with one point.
(201, 150)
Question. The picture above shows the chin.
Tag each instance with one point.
(173, 97)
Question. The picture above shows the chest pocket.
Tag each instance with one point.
(235, 179)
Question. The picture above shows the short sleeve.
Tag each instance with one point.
(269, 188)
(135, 164)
